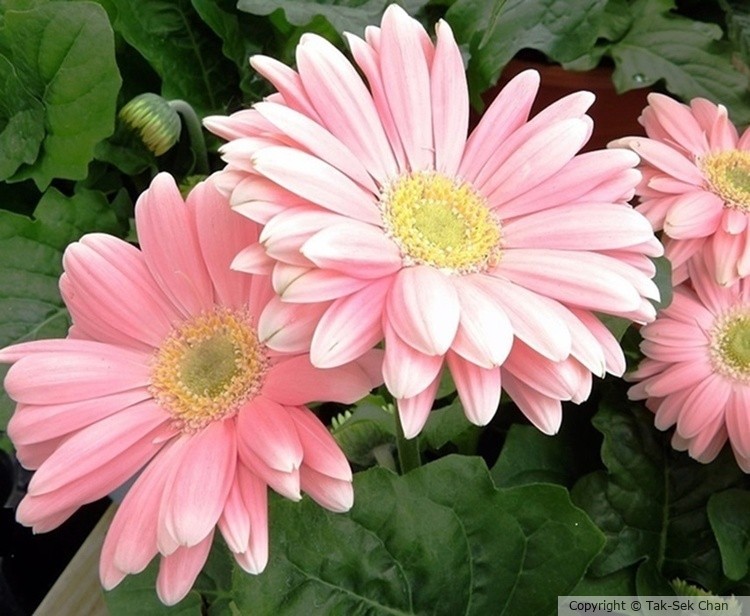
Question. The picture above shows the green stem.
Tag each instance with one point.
(408, 449)
(195, 133)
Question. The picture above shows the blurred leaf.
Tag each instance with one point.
(729, 513)
(687, 54)
(663, 280)
(616, 20)
(180, 48)
(445, 425)
(737, 15)
(621, 582)
(30, 304)
(652, 501)
(493, 32)
(344, 15)
(61, 82)
(650, 582)
(362, 432)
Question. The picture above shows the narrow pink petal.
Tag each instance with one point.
(34, 424)
(333, 494)
(168, 237)
(542, 411)
(57, 378)
(734, 221)
(478, 388)
(222, 233)
(296, 381)
(322, 453)
(738, 421)
(666, 159)
(485, 333)
(423, 309)
(253, 259)
(669, 409)
(351, 326)
(533, 317)
(723, 255)
(356, 249)
(709, 443)
(695, 214)
(199, 488)
(177, 572)
(617, 226)
(678, 122)
(33, 455)
(243, 123)
(406, 78)
(450, 101)
(344, 104)
(286, 484)
(266, 428)
(413, 412)
(508, 112)
(288, 328)
(315, 285)
(703, 406)
(560, 380)
(668, 184)
(255, 497)
(98, 445)
(107, 282)
(406, 371)
(613, 356)
(287, 82)
(714, 297)
(234, 522)
(318, 141)
(538, 158)
(677, 377)
(576, 278)
(317, 181)
(259, 199)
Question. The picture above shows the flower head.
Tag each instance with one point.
(489, 254)
(154, 120)
(163, 370)
(696, 184)
(696, 374)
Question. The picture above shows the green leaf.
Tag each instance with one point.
(62, 83)
(616, 20)
(445, 425)
(494, 32)
(663, 281)
(729, 515)
(30, 304)
(528, 456)
(652, 501)
(180, 48)
(738, 28)
(366, 433)
(687, 54)
(344, 15)
(440, 540)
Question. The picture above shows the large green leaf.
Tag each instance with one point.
(729, 513)
(344, 15)
(738, 27)
(181, 48)
(59, 83)
(31, 264)
(493, 32)
(440, 540)
(687, 54)
(651, 504)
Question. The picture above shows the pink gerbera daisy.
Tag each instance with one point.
(697, 368)
(490, 253)
(696, 184)
(163, 369)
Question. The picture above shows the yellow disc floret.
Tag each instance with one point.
(439, 221)
(730, 346)
(728, 175)
(207, 367)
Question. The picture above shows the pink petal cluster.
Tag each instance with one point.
(91, 414)
(696, 184)
(363, 189)
(696, 375)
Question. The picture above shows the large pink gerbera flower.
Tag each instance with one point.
(697, 368)
(163, 369)
(696, 184)
(489, 254)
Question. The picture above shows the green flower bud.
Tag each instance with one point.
(155, 121)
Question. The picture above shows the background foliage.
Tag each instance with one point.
(499, 516)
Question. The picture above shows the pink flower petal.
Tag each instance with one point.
(287, 82)
(253, 259)
(423, 309)
(413, 412)
(322, 454)
(478, 388)
(333, 494)
(406, 371)
(703, 406)
(255, 497)
(177, 572)
(266, 427)
(314, 285)
(288, 328)
(234, 522)
(350, 326)
(286, 484)
(695, 214)
(678, 122)
(542, 411)
(666, 159)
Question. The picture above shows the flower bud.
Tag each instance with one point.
(156, 122)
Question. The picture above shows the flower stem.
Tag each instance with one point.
(408, 449)
(195, 133)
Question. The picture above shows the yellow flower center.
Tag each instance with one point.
(730, 346)
(728, 175)
(439, 221)
(206, 368)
